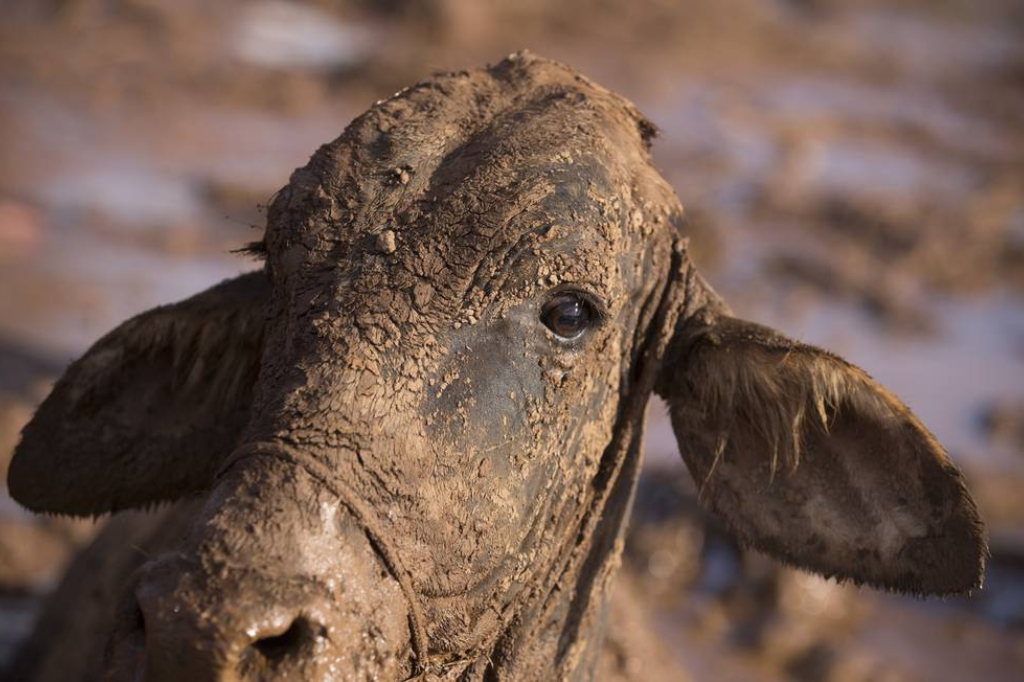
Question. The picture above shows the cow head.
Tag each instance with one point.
(415, 433)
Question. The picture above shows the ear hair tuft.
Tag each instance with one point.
(256, 250)
(864, 490)
(773, 387)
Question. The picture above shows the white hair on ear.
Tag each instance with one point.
(782, 394)
(806, 457)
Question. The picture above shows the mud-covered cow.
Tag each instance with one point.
(407, 446)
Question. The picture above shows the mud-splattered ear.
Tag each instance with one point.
(148, 412)
(808, 459)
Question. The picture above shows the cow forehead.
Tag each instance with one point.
(465, 165)
(392, 244)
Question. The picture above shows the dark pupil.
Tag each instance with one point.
(567, 316)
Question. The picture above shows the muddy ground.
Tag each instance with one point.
(853, 171)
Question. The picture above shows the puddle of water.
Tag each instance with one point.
(713, 158)
(736, 155)
(129, 192)
(929, 46)
(285, 35)
(696, 120)
(886, 172)
(904, 105)
(260, 150)
(144, 172)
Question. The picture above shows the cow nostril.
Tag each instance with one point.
(138, 621)
(300, 636)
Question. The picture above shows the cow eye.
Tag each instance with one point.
(568, 315)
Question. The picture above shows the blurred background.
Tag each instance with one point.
(853, 172)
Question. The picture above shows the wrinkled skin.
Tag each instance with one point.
(399, 469)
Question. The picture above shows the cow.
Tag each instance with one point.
(407, 446)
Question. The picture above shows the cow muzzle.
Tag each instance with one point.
(278, 580)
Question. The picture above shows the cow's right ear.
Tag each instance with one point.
(148, 413)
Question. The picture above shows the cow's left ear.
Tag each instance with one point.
(808, 459)
(148, 413)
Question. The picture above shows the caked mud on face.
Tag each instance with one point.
(413, 436)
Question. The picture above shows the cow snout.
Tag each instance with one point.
(183, 624)
(275, 580)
